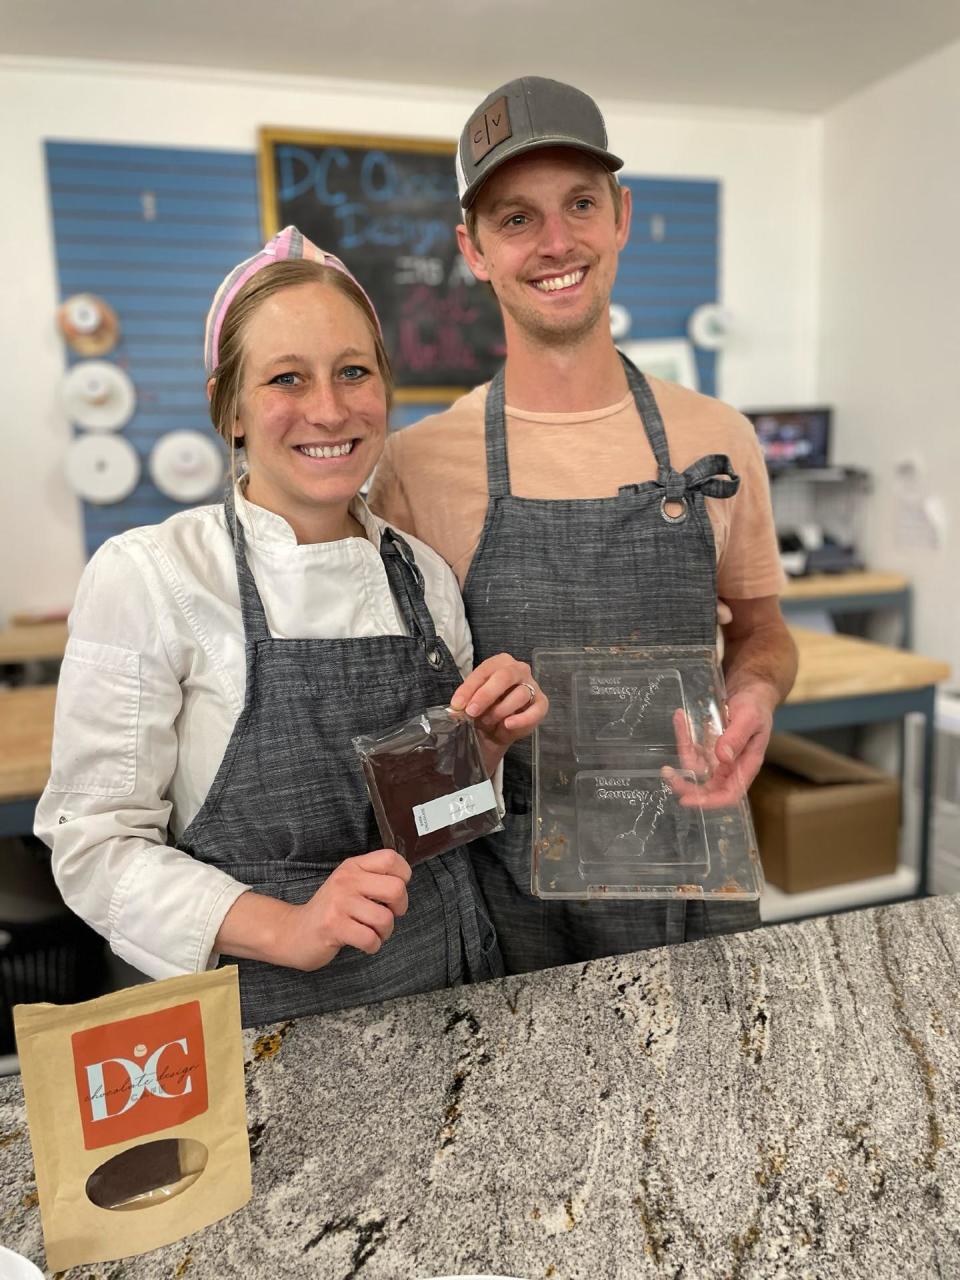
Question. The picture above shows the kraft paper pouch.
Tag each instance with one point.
(428, 785)
(135, 1104)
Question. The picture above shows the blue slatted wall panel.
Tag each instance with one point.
(670, 265)
(153, 230)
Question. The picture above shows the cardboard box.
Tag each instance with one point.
(822, 818)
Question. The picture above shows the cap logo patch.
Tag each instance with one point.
(489, 128)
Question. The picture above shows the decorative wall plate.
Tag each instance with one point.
(102, 468)
(186, 465)
(98, 395)
(88, 324)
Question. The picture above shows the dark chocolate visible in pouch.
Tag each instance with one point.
(135, 1172)
(434, 756)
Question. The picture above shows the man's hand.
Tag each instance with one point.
(732, 761)
(503, 699)
(760, 664)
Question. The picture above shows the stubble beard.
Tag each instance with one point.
(559, 331)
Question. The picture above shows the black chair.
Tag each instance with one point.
(59, 960)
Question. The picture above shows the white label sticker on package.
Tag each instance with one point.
(458, 806)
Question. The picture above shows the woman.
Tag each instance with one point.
(205, 802)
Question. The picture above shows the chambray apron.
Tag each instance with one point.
(566, 573)
(288, 803)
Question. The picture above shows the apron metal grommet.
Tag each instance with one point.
(435, 658)
(680, 517)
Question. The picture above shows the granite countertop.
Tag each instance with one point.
(774, 1105)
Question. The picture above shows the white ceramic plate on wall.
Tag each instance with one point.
(186, 466)
(99, 395)
(102, 468)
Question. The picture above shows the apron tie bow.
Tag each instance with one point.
(712, 475)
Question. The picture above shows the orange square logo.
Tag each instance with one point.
(140, 1075)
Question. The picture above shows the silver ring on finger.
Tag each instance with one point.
(532, 690)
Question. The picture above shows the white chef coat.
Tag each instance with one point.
(151, 687)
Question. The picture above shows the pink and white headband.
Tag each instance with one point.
(288, 243)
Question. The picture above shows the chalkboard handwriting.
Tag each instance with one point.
(388, 207)
(359, 228)
(413, 270)
(433, 330)
(381, 181)
(433, 271)
(460, 273)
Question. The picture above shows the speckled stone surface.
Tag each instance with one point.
(775, 1105)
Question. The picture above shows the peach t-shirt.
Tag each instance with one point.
(432, 478)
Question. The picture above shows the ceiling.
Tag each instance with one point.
(785, 55)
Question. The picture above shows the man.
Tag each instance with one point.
(581, 503)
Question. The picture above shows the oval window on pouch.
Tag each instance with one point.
(148, 1174)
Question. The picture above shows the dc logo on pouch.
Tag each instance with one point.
(143, 1079)
(140, 1075)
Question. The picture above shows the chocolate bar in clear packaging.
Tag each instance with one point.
(428, 784)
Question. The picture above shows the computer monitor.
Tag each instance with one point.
(792, 437)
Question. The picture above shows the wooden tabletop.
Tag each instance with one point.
(40, 642)
(26, 736)
(830, 667)
(844, 584)
(842, 667)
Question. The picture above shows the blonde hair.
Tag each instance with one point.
(616, 196)
(227, 378)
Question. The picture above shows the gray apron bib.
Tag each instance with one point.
(288, 803)
(556, 573)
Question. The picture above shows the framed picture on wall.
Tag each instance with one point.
(671, 359)
(388, 208)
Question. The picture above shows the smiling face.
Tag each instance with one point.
(312, 404)
(548, 241)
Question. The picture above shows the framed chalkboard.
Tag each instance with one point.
(388, 208)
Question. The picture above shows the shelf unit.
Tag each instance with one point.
(777, 906)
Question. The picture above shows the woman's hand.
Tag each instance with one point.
(502, 698)
(357, 906)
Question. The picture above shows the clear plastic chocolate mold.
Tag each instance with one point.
(631, 826)
(628, 800)
(629, 713)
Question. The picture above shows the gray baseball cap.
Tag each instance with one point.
(521, 116)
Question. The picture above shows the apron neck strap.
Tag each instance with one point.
(495, 428)
(403, 574)
(649, 416)
(406, 584)
(495, 425)
(251, 606)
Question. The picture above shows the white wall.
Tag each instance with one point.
(768, 164)
(890, 320)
